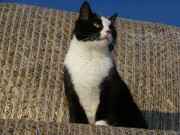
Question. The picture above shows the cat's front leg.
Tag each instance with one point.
(77, 113)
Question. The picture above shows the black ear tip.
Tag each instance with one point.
(85, 3)
(113, 18)
(85, 11)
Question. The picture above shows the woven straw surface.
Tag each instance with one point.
(21, 127)
(33, 44)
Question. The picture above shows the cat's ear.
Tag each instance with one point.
(85, 12)
(113, 18)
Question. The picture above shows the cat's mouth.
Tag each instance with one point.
(105, 38)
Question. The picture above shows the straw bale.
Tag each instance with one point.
(23, 127)
(34, 42)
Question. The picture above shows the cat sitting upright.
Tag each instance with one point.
(95, 92)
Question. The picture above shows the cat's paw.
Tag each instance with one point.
(101, 123)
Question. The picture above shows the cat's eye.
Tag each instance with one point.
(96, 25)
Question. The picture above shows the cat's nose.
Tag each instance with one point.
(108, 32)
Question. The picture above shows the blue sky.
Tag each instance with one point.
(158, 11)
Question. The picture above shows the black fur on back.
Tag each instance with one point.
(116, 103)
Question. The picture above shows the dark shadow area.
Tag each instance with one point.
(161, 120)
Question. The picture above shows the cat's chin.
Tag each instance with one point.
(106, 40)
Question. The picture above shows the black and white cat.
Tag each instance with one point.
(95, 92)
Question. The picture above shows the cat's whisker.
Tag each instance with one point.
(113, 44)
(83, 33)
(102, 10)
(90, 38)
(96, 11)
(95, 34)
(88, 35)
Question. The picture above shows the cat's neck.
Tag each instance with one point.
(89, 48)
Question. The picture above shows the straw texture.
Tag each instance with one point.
(21, 127)
(33, 44)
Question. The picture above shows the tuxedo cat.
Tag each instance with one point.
(95, 92)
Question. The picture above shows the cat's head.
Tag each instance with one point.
(95, 29)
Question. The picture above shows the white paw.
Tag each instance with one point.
(101, 122)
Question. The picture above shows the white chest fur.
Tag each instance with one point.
(88, 66)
